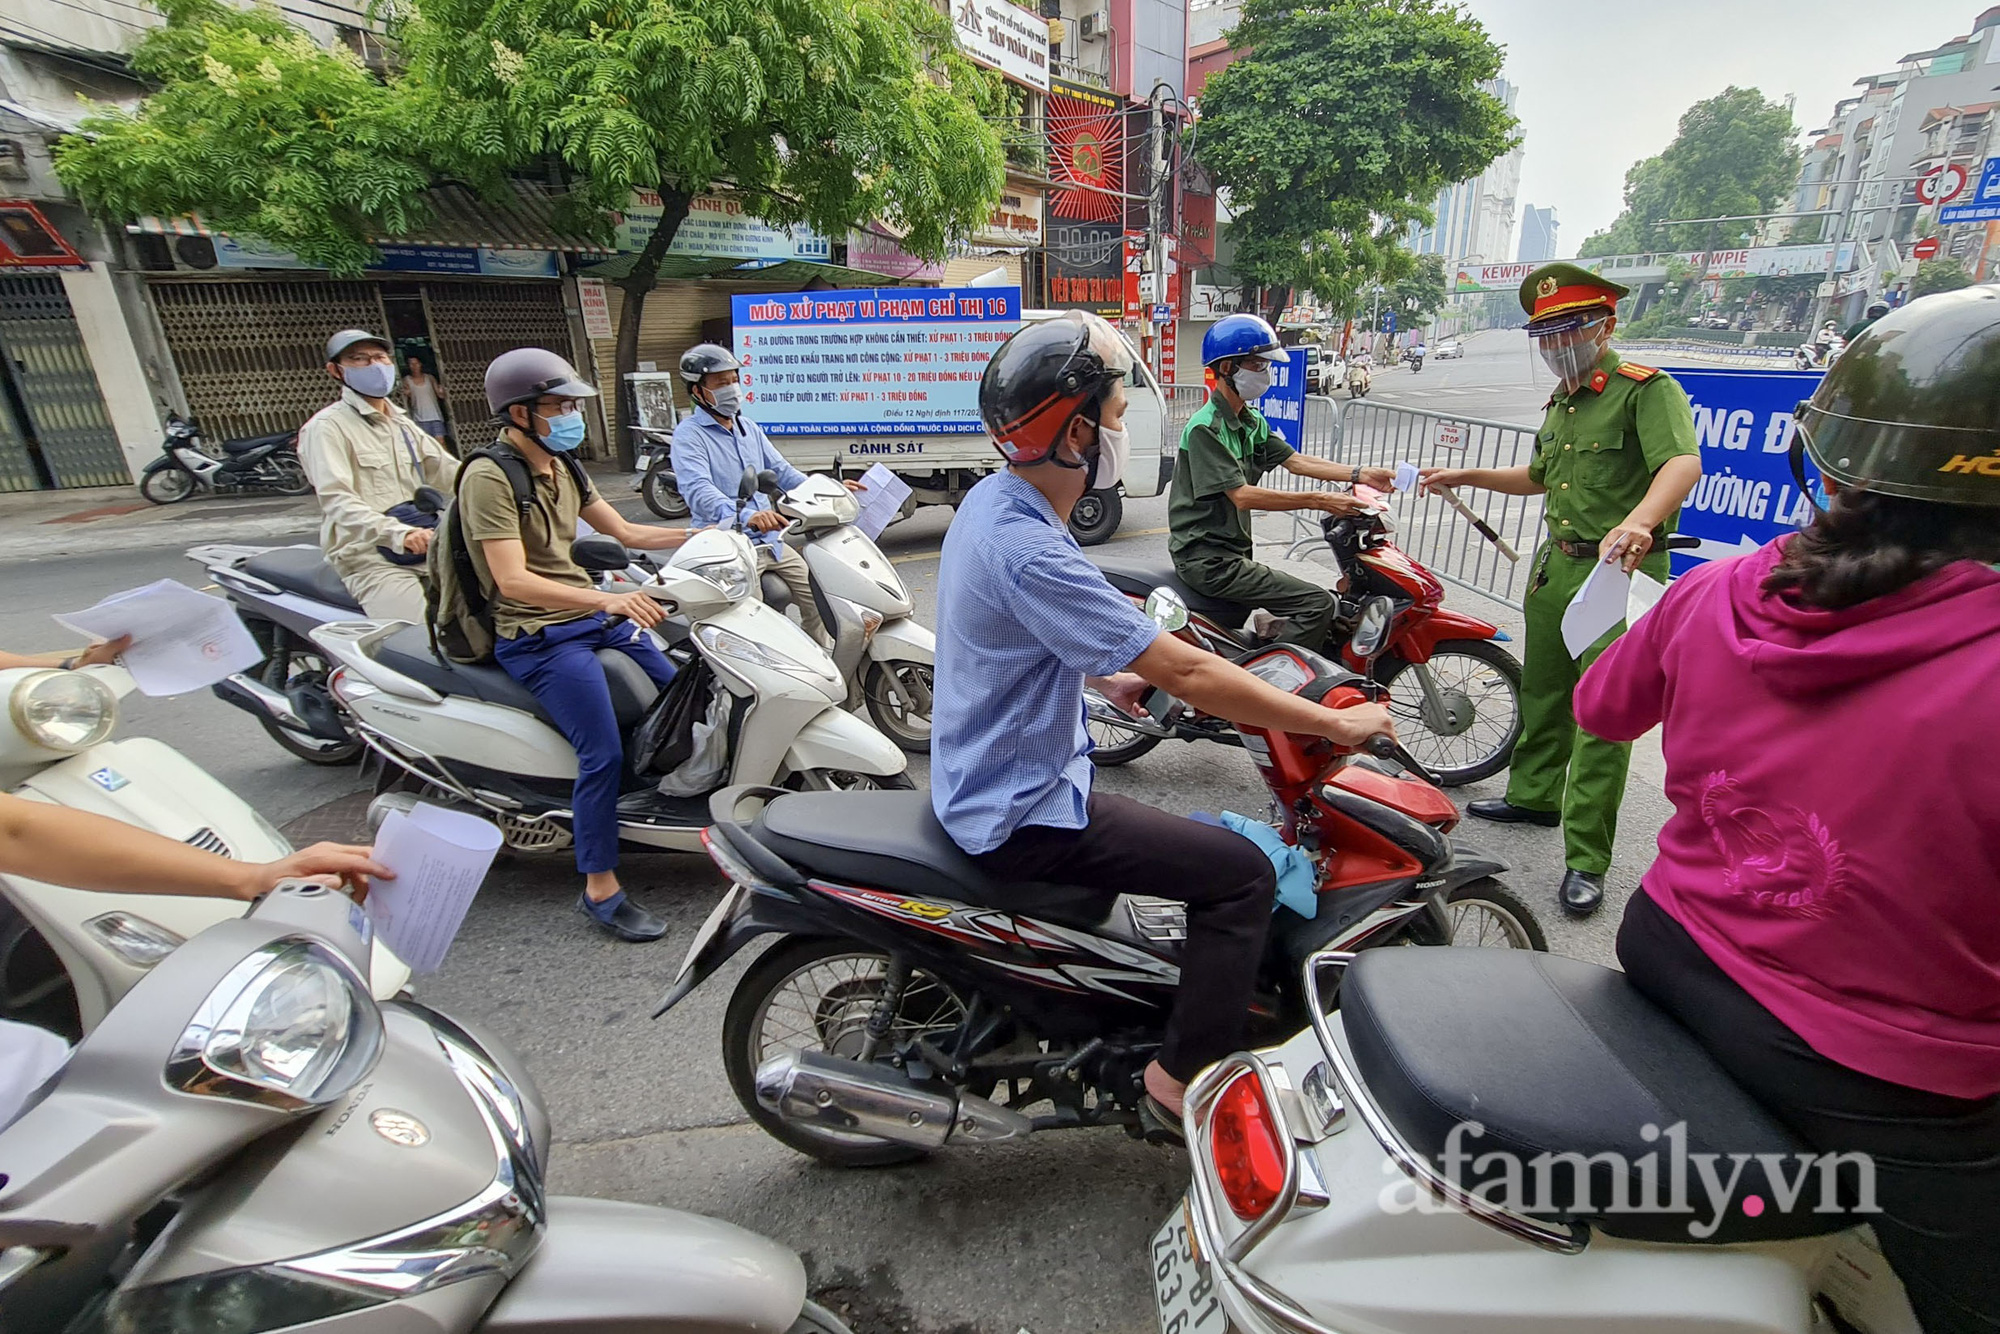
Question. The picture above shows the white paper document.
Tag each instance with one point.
(1598, 606)
(181, 639)
(1406, 476)
(881, 502)
(439, 857)
(1645, 595)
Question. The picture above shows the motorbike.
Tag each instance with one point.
(267, 463)
(1413, 358)
(1818, 356)
(884, 653)
(904, 1009)
(769, 696)
(1358, 379)
(1454, 690)
(1331, 1188)
(282, 594)
(251, 1141)
(653, 476)
(67, 956)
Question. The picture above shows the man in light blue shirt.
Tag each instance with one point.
(1024, 619)
(712, 446)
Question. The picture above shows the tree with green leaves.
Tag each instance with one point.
(1735, 155)
(1339, 127)
(1941, 274)
(827, 113)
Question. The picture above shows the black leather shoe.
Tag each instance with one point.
(1501, 811)
(622, 917)
(1581, 892)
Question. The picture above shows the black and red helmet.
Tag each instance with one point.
(1046, 374)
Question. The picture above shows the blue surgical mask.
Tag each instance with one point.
(374, 380)
(565, 432)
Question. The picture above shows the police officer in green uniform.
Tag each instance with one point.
(1226, 448)
(1616, 456)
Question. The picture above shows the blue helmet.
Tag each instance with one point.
(1241, 336)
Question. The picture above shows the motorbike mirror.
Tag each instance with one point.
(599, 553)
(430, 500)
(1167, 609)
(1371, 632)
(747, 487)
(767, 482)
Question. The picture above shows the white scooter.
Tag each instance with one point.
(883, 652)
(477, 735)
(1488, 1142)
(56, 747)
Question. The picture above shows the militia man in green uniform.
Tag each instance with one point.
(1226, 448)
(1616, 456)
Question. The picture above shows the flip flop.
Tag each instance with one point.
(1157, 1125)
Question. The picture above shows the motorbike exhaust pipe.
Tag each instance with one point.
(253, 696)
(813, 1088)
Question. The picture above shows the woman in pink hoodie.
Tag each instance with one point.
(1824, 913)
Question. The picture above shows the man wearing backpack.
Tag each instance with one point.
(549, 619)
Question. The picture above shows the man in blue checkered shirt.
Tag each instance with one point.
(1024, 620)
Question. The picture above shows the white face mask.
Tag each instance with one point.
(1571, 361)
(726, 401)
(1250, 385)
(1114, 448)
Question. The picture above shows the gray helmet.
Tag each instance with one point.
(706, 359)
(528, 373)
(1913, 407)
(347, 338)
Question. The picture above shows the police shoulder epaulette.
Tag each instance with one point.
(1634, 371)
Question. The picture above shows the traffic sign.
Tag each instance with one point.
(1926, 248)
(1163, 314)
(1388, 321)
(1941, 185)
(1985, 203)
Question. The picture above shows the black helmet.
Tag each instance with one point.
(347, 338)
(526, 374)
(706, 359)
(1042, 377)
(1913, 407)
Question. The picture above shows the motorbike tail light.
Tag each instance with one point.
(1249, 1157)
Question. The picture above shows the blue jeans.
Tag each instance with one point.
(559, 666)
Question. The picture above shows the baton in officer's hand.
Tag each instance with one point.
(1485, 529)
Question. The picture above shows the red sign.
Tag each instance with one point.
(1926, 248)
(1167, 367)
(27, 241)
(1941, 185)
(1086, 154)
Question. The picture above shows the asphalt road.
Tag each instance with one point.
(1046, 1236)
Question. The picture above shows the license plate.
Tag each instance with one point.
(709, 929)
(1182, 1284)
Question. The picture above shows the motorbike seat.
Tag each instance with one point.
(302, 570)
(235, 447)
(1554, 1056)
(409, 651)
(893, 841)
(1136, 576)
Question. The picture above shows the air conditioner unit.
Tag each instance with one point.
(1094, 26)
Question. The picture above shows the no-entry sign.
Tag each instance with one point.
(1925, 248)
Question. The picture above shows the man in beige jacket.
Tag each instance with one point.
(364, 455)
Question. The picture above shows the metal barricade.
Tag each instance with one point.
(1183, 401)
(1382, 435)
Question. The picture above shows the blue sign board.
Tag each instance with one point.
(1284, 403)
(1388, 321)
(875, 361)
(1985, 203)
(1746, 496)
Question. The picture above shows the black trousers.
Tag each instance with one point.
(1225, 880)
(1937, 1159)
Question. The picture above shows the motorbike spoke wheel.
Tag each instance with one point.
(167, 485)
(846, 780)
(1485, 914)
(899, 703)
(1115, 745)
(659, 493)
(284, 474)
(1469, 732)
(309, 669)
(818, 995)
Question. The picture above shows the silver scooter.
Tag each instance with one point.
(250, 1142)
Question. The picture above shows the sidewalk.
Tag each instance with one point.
(90, 521)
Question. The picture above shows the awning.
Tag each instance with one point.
(522, 219)
(786, 275)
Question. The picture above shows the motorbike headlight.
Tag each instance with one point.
(63, 710)
(844, 506)
(729, 644)
(291, 1027)
(733, 574)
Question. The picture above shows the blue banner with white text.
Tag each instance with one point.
(1743, 421)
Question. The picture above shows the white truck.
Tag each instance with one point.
(939, 469)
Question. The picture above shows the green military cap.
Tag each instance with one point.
(1559, 296)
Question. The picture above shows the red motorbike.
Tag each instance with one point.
(1454, 690)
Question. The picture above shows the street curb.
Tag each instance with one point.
(44, 541)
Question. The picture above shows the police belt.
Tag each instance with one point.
(1580, 550)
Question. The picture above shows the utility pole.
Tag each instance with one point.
(1156, 208)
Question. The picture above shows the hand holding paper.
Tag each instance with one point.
(181, 640)
(1598, 607)
(881, 501)
(439, 858)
